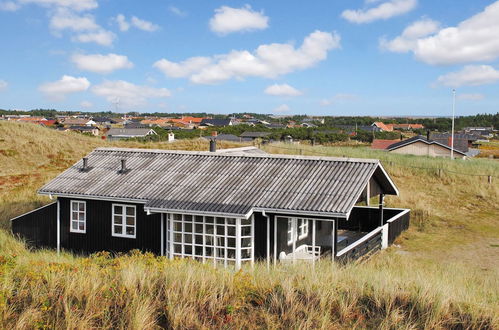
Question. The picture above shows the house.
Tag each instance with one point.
(94, 130)
(382, 126)
(104, 121)
(77, 122)
(216, 122)
(220, 208)
(421, 146)
(308, 125)
(30, 119)
(228, 138)
(462, 142)
(254, 135)
(482, 132)
(128, 133)
(382, 144)
(407, 127)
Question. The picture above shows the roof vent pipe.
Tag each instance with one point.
(428, 135)
(213, 145)
(123, 166)
(85, 164)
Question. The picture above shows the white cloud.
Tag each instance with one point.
(182, 69)
(471, 97)
(102, 37)
(122, 23)
(86, 104)
(267, 61)
(128, 94)
(473, 40)
(144, 25)
(102, 64)
(470, 75)
(282, 90)
(282, 108)
(409, 37)
(76, 5)
(177, 11)
(227, 20)
(384, 11)
(9, 6)
(64, 19)
(140, 24)
(66, 85)
(3, 85)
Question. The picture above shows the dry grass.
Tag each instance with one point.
(442, 273)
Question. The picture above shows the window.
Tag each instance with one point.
(213, 239)
(78, 217)
(302, 228)
(290, 231)
(124, 221)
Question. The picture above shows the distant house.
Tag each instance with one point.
(104, 121)
(221, 208)
(482, 132)
(383, 127)
(382, 144)
(216, 122)
(255, 135)
(462, 142)
(308, 125)
(421, 146)
(352, 129)
(94, 130)
(77, 122)
(391, 127)
(128, 133)
(227, 137)
(35, 120)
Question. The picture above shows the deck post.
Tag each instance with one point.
(170, 222)
(334, 232)
(275, 240)
(294, 231)
(162, 234)
(381, 209)
(238, 244)
(368, 193)
(268, 243)
(252, 240)
(313, 242)
(58, 226)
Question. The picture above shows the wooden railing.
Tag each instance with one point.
(363, 246)
(397, 224)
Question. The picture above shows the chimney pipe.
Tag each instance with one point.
(123, 166)
(428, 135)
(213, 145)
(85, 164)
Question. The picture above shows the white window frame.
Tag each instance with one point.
(291, 231)
(123, 221)
(302, 228)
(71, 220)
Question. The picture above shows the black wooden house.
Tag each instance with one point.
(222, 208)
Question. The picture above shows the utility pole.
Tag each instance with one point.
(452, 132)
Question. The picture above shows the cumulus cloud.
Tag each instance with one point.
(383, 11)
(470, 75)
(3, 85)
(140, 24)
(66, 85)
(409, 37)
(268, 61)
(9, 6)
(471, 97)
(282, 90)
(473, 40)
(128, 94)
(102, 37)
(282, 108)
(177, 11)
(64, 19)
(227, 20)
(123, 25)
(102, 64)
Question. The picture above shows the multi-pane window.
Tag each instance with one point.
(124, 221)
(290, 231)
(78, 217)
(302, 228)
(207, 238)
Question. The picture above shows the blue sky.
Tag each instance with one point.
(344, 57)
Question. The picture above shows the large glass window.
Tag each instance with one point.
(78, 217)
(302, 228)
(124, 221)
(207, 238)
(297, 228)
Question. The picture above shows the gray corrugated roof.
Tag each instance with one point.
(129, 131)
(202, 182)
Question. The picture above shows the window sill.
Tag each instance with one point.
(123, 236)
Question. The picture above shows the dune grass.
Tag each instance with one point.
(442, 273)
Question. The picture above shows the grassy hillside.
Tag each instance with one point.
(442, 273)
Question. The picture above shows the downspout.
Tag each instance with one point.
(58, 227)
(268, 238)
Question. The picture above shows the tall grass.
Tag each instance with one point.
(442, 273)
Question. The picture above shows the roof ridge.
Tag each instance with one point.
(216, 154)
